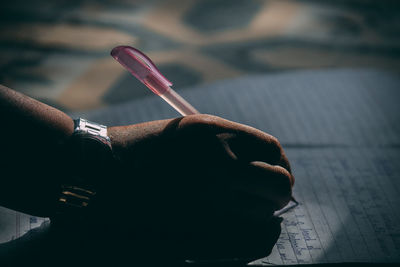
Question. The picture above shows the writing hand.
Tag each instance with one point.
(199, 178)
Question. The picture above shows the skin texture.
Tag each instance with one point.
(207, 183)
(30, 161)
(195, 186)
(247, 159)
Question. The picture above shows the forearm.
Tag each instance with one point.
(31, 132)
(23, 112)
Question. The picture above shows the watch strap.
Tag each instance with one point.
(83, 125)
(90, 153)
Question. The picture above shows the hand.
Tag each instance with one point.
(199, 178)
(192, 187)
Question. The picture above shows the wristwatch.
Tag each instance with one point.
(90, 154)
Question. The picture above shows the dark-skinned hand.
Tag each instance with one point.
(200, 186)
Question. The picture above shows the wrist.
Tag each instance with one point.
(89, 154)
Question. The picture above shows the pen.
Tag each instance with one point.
(140, 66)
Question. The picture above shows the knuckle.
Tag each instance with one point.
(276, 148)
(201, 119)
(275, 142)
(285, 187)
(285, 179)
(284, 163)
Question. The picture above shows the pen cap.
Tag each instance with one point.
(140, 66)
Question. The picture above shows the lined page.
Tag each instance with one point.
(349, 208)
(341, 132)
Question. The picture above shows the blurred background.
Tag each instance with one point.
(58, 51)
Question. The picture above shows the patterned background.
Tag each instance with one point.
(58, 51)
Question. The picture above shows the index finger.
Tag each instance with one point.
(246, 142)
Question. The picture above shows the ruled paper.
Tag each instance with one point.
(15, 224)
(349, 208)
(341, 133)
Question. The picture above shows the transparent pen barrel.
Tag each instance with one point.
(178, 103)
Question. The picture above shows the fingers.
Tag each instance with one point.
(241, 142)
(266, 183)
(247, 147)
(215, 125)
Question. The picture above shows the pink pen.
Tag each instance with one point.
(140, 66)
(144, 69)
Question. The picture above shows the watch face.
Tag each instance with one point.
(91, 157)
(90, 148)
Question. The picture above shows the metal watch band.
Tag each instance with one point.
(75, 196)
(93, 128)
(79, 187)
